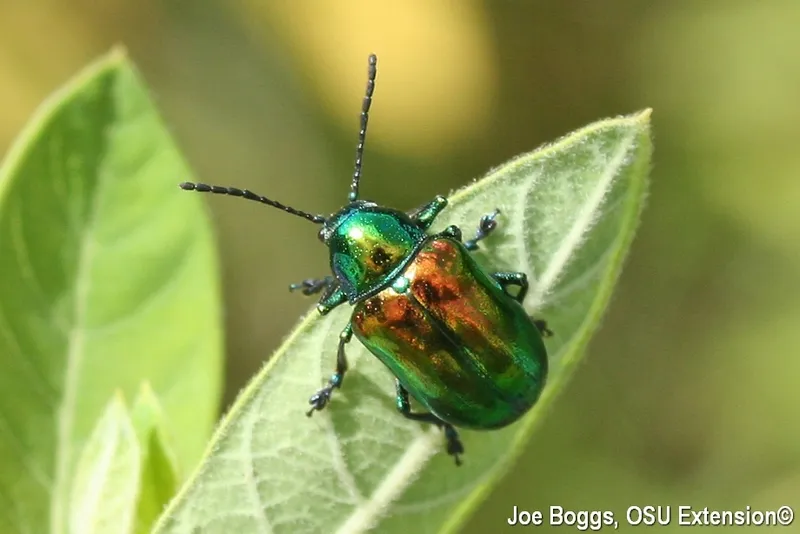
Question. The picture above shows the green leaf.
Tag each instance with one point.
(106, 484)
(109, 278)
(126, 472)
(158, 481)
(569, 214)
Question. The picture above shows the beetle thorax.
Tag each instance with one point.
(368, 246)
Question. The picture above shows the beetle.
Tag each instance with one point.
(455, 337)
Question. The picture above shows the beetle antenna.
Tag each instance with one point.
(362, 134)
(249, 195)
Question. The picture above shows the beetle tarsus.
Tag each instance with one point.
(312, 286)
(320, 399)
(454, 445)
(541, 324)
(486, 226)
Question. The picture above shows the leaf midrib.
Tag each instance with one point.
(418, 453)
(74, 357)
(583, 223)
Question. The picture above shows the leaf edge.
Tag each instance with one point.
(588, 328)
(114, 59)
(249, 392)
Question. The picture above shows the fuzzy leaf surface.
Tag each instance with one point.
(569, 213)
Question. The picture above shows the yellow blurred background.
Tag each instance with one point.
(687, 395)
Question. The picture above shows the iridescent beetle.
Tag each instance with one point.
(454, 336)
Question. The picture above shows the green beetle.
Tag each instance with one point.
(454, 336)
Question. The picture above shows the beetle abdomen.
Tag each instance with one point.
(461, 346)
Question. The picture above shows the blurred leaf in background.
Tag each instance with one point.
(108, 280)
(158, 480)
(106, 482)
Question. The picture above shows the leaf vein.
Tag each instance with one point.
(417, 454)
(583, 222)
(76, 341)
(251, 485)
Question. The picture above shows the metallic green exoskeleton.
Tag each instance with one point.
(455, 337)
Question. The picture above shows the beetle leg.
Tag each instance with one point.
(425, 215)
(320, 399)
(333, 297)
(485, 227)
(541, 324)
(506, 279)
(520, 280)
(452, 231)
(312, 286)
(454, 445)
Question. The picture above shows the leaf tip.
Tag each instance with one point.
(118, 398)
(119, 52)
(114, 59)
(644, 115)
(146, 389)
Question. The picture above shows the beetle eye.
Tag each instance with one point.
(321, 234)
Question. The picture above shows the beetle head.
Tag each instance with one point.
(367, 244)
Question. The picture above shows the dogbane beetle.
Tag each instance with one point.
(454, 336)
